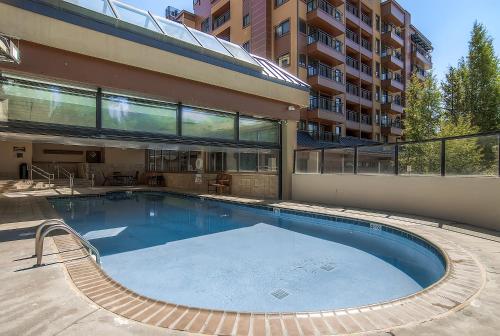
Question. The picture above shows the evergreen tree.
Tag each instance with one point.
(483, 84)
(453, 89)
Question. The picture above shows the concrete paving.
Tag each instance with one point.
(44, 301)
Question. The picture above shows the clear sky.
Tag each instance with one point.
(447, 23)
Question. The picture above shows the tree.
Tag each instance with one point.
(483, 84)
(453, 90)
(422, 115)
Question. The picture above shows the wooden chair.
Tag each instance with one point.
(221, 184)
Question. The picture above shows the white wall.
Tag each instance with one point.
(468, 200)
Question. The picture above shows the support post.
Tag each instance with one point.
(355, 168)
(443, 157)
(322, 161)
(396, 160)
(98, 104)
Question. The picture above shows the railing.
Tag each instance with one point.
(392, 76)
(352, 116)
(467, 155)
(390, 99)
(392, 52)
(366, 69)
(327, 104)
(418, 70)
(353, 63)
(326, 7)
(55, 224)
(323, 136)
(352, 89)
(366, 94)
(366, 18)
(323, 70)
(386, 121)
(221, 19)
(387, 28)
(365, 119)
(422, 52)
(352, 9)
(69, 176)
(40, 172)
(320, 36)
(366, 44)
(352, 35)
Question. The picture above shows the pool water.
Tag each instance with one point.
(219, 255)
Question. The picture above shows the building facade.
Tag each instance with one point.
(115, 92)
(356, 55)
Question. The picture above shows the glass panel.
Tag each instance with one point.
(46, 103)
(308, 162)
(100, 6)
(209, 42)
(238, 52)
(259, 130)
(176, 30)
(248, 161)
(376, 160)
(206, 124)
(130, 114)
(339, 161)
(135, 16)
(420, 158)
(472, 156)
(268, 161)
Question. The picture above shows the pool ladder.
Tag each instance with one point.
(56, 224)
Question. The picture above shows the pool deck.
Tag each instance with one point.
(70, 295)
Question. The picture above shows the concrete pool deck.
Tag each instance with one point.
(45, 301)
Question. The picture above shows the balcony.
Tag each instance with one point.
(366, 73)
(352, 93)
(352, 120)
(393, 13)
(366, 23)
(322, 14)
(419, 72)
(325, 78)
(220, 20)
(392, 59)
(391, 126)
(365, 97)
(326, 108)
(366, 48)
(352, 66)
(422, 57)
(352, 13)
(391, 104)
(352, 39)
(393, 37)
(365, 123)
(325, 47)
(392, 82)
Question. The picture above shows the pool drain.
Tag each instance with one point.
(280, 294)
(328, 267)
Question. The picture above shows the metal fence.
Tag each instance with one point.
(468, 155)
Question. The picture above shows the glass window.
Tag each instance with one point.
(284, 60)
(100, 6)
(207, 124)
(132, 114)
(246, 20)
(259, 130)
(205, 25)
(176, 30)
(302, 26)
(278, 3)
(248, 161)
(46, 103)
(283, 28)
(268, 160)
(135, 16)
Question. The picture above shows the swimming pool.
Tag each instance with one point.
(219, 255)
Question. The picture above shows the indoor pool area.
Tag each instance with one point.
(218, 255)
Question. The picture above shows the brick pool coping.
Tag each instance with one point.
(463, 280)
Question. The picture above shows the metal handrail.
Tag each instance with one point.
(57, 224)
(41, 172)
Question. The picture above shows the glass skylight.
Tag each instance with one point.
(135, 16)
(100, 6)
(209, 42)
(176, 30)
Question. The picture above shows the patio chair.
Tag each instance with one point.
(221, 184)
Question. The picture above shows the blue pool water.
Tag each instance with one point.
(219, 255)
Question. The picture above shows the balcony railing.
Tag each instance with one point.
(352, 9)
(366, 69)
(352, 116)
(393, 76)
(326, 7)
(365, 119)
(221, 19)
(387, 28)
(422, 52)
(352, 35)
(352, 89)
(353, 63)
(392, 52)
(323, 136)
(366, 18)
(366, 94)
(323, 70)
(390, 99)
(327, 104)
(366, 44)
(320, 36)
(418, 70)
(386, 121)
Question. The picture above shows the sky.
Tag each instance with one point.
(446, 23)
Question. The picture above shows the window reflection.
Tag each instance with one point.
(207, 124)
(259, 130)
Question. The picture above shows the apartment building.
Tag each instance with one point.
(356, 55)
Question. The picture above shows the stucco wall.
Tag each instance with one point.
(9, 162)
(468, 200)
